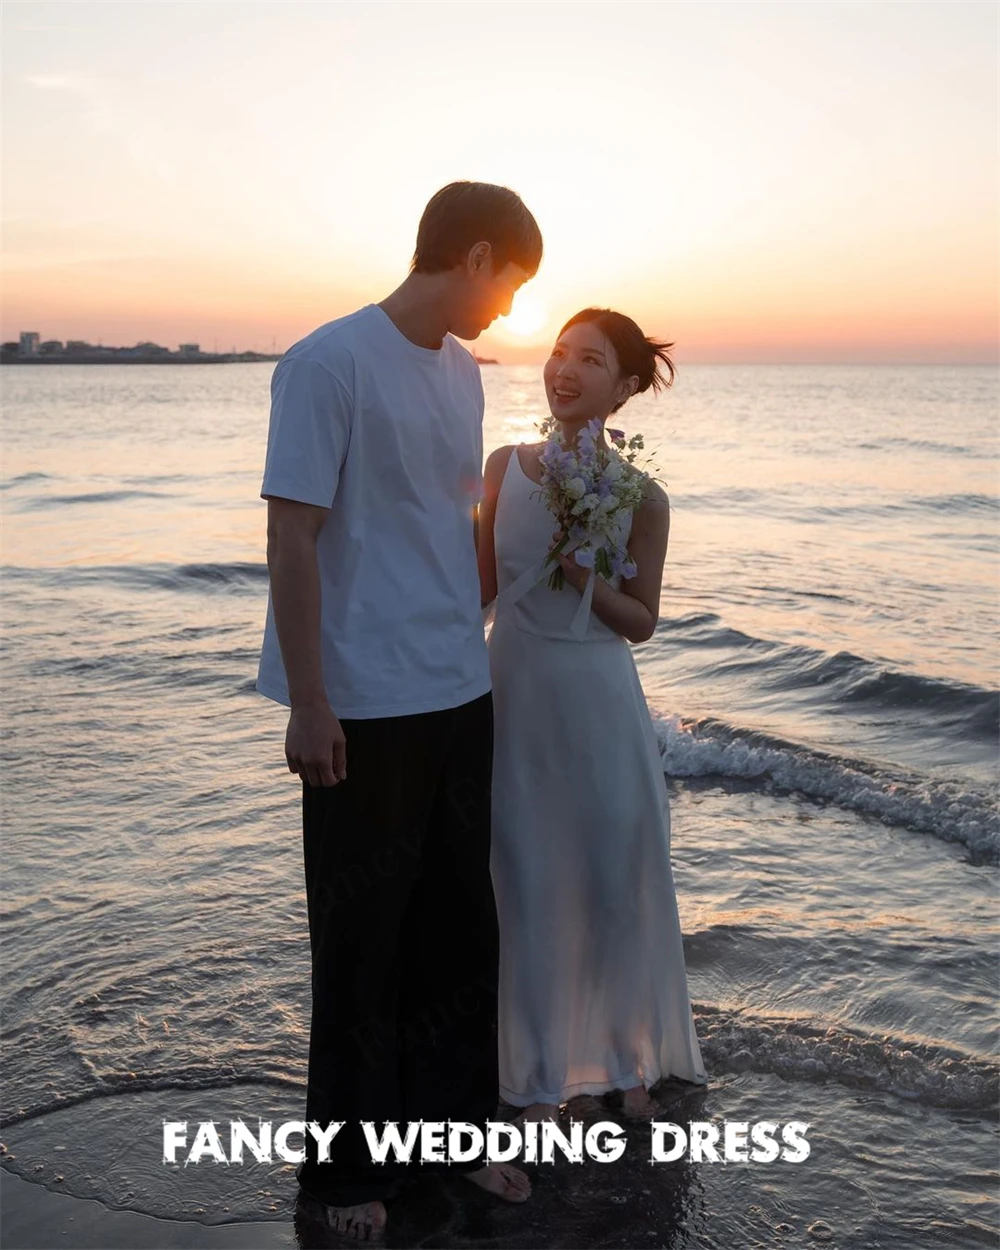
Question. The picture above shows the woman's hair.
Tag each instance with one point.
(463, 214)
(637, 355)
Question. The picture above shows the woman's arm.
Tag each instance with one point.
(634, 610)
(493, 474)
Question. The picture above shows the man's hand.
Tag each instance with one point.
(315, 745)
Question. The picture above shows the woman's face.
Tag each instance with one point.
(582, 375)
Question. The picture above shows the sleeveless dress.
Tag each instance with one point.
(593, 990)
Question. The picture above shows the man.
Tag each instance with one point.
(374, 640)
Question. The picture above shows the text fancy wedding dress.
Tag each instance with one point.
(593, 989)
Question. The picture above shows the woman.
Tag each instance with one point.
(593, 992)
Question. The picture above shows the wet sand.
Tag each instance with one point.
(590, 1204)
(34, 1218)
(864, 1184)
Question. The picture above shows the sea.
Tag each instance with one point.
(824, 686)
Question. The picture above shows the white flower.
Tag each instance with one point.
(590, 489)
(585, 557)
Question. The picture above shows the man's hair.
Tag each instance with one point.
(463, 214)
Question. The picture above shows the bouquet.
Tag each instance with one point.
(588, 489)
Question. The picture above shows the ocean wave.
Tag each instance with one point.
(843, 678)
(925, 444)
(234, 576)
(934, 1075)
(41, 503)
(219, 576)
(852, 679)
(169, 671)
(23, 478)
(705, 629)
(799, 507)
(956, 503)
(150, 478)
(948, 810)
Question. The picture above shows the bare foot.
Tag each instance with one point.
(637, 1103)
(364, 1222)
(539, 1111)
(503, 1180)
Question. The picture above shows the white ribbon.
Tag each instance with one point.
(520, 586)
(579, 625)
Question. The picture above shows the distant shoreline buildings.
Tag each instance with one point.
(30, 349)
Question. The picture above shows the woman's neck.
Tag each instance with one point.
(569, 433)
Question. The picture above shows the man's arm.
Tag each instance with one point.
(315, 746)
(308, 438)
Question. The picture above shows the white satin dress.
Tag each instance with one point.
(593, 989)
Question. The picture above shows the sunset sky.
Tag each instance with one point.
(772, 182)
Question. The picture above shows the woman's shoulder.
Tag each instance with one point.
(652, 517)
(499, 456)
(497, 462)
(653, 494)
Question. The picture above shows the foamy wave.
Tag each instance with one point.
(948, 810)
(934, 1075)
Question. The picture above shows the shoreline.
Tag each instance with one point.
(108, 1152)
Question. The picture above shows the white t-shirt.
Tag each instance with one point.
(388, 436)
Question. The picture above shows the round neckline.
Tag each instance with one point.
(420, 353)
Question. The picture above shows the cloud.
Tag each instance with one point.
(103, 115)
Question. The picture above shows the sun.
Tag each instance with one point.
(527, 316)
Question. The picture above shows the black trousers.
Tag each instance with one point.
(403, 931)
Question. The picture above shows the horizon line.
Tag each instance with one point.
(491, 361)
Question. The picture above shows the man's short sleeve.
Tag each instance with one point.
(310, 428)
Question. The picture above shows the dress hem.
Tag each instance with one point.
(630, 1081)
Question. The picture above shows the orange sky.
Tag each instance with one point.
(756, 181)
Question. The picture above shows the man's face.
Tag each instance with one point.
(486, 295)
